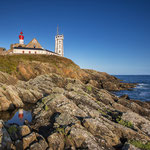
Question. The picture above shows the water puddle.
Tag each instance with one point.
(18, 116)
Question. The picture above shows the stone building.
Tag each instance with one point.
(34, 47)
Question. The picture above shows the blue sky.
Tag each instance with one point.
(112, 36)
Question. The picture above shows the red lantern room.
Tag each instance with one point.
(21, 37)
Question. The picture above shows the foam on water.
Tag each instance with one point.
(142, 86)
(141, 91)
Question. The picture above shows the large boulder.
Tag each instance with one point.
(9, 98)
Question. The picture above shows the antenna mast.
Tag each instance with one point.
(57, 30)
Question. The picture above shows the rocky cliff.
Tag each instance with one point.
(26, 67)
(73, 108)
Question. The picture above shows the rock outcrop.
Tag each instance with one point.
(73, 108)
(69, 114)
(13, 89)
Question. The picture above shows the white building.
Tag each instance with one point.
(59, 44)
(34, 46)
(22, 50)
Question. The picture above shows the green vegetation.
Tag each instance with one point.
(98, 102)
(62, 131)
(12, 129)
(46, 108)
(9, 63)
(89, 88)
(125, 123)
(43, 100)
(140, 145)
(102, 112)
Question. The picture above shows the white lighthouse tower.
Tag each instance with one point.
(21, 38)
(59, 49)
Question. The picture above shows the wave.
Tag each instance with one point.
(141, 91)
(142, 86)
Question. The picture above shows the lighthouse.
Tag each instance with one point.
(59, 43)
(21, 38)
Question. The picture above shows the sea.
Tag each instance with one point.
(141, 91)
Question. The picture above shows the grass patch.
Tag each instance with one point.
(89, 88)
(125, 123)
(140, 145)
(9, 63)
